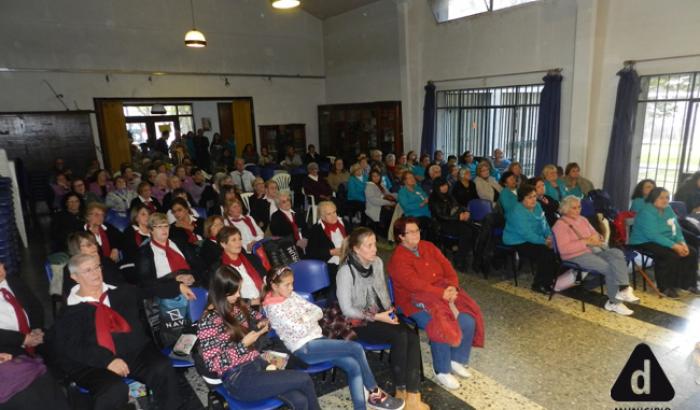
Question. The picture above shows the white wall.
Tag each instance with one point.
(245, 36)
(361, 49)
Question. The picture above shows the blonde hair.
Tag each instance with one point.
(325, 204)
(157, 218)
(548, 168)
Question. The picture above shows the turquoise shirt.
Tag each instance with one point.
(651, 226)
(523, 225)
(356, 188)
(555, 193)
(418, 171)
(575, 191)
(387, 182)
(507, 199)
(637, 204)
(410, 202)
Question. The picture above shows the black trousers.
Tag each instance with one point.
(43, 393)
(148, 366)
(671, 270)
(405, 351)
(463, 231)
(544, 260)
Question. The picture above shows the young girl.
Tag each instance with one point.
(227, 333)
(296, 322)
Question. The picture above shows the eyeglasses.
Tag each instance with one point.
(96, 268)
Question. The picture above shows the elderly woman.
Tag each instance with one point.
(161, 188)
(486, 185)
(259, 205)
(452, 219)
(137, 233)
(549, 205)
(554, 186)
(316, 185)
(509, 194)
(167, 268)
(338, 175)
(364, 299)
(465, 189)
(422, 276)
(656, 230)
(517, 170)
(640, 194)
(187, 227)
(574, 183)
(69, 219)
(107, 236)
(577, 241)
(144, 197)
(120, 198)
(326, 239)
(286, 222)
(83, 242)
(209, 249)
(102, 185)
(528, 232)
(247, 265)
(380, 202)
(250, 231)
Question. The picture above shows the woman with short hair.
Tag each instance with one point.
(486, 185)
(640, 193)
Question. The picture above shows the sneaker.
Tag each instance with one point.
(460, 370)
(671, 293)
(447, 381)
(380, 400)
(619, 308)
(627, 295)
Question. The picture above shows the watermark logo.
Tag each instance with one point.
(642, 379)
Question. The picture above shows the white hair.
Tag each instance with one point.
(566, 203)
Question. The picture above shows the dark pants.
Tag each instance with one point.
(148, 366)
(544, 261)
(251, 382)
(465, 234)
(405, 351)
(671, 270)
(43, 393)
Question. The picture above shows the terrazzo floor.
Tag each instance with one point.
(539, 354)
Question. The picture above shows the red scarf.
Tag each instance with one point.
(175, 260)
(328, 228)
(242, 260)
(150, 205)
(137, 236)
(292, 222)
(22, 322)
(247, 221)
(108, 321)
(106, 248)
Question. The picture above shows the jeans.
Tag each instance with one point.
(347, 355)
(610, 263)
(251, 382)
(443, 353)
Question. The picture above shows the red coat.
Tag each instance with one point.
(424, 279)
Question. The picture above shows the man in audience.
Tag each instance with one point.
(434, 172)
(99, 340)
(201, 147)
(291, 159)
(499, 162)
(316, 185)
(242, 178)
(311, 155)
(161, 144)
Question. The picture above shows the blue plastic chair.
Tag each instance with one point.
(310, 275)
(679, 208)
(587, 208)
(233, 404)
(479, 209)
(267, 173)
(578, 269)
(202, 212)
(118, 221)
(198, 305)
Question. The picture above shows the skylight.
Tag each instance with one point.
(446, 10)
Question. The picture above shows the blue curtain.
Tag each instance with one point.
(617, 168)
(427, 145)
(548, 123)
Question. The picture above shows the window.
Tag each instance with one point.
(446, 10)
(667, 113)
(141, 122)
(483, 119)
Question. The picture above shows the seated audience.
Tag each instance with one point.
(201, 191)
(414, 202)
(227, 333)
(434, 172)
(291, 159)
(656, 230)
(464, 190)
(286, 223)
(136, 233)
(174, 184)
(78, 186)
(574, 183)
(451, 219)
(326, 239)
(160, 189)
(295, 320)
(452, 175)
(316, 185)
(27, 390)
(247, 265)
(250, 156)
(499, 161)
(144, 197)
(119, 199)
(689, 193)
(375, 160)
(338, 175)
(69, 219)
(226, 194)
(266, 159)
(419, 170)
(528, 232)
(165, 268)
(242, 178)
(59, 167)
(180, 193)
(487, 187)
(21, 327)
(554, 186)
(578, 242)
(107, 236)
(84, 242)
(355, 201)
(548, 204)
(133, 179)
(209, 249)
(311, 155)
(364, 299)
(187, 227)
(380, 203)
(640, 194)
(440, 296)
(517, 170)
(259, 205)
(508, 197)
(250, 231)
(467, 161)
(102, 185)
(101, 340)
(390, 165)
(59, 189)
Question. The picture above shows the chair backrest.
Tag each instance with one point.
(479, 208)
(679, 208)
(253, 168)
(245, 196)
(310, 275)
(283, 180)
(198, 305)
(267, 173)
(202, 212)
(120, 222)
(48, 271)
(587, 208)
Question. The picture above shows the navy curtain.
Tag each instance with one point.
(548, 123)
(617, 168)
(427, 145)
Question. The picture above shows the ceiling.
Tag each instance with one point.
(324, 9)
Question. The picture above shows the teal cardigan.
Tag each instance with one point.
(410, 202)
(356, 188)
(555, 193)
(650, 226)
(637, 204)
(575, 191)
(507, 199)
(523, 225)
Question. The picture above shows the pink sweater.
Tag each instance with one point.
(568, 243)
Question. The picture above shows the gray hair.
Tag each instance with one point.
(312, 165)
(78, 260)
(282, 195)
(463, 171)
(325, 204)
(566, 203)
(390, 157)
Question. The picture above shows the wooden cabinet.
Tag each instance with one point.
(277, 137)
(346, 130)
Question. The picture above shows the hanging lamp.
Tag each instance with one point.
(285, 4)
(194, 38)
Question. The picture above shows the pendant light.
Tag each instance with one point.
(194, 38)
(285, 4)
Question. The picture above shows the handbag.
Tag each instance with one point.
(174, 318)
(17, 374)
(281, 251)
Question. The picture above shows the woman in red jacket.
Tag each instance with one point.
(427, 290)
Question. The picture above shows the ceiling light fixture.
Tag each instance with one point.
(285, 4)
(194, 38)
(158, 108)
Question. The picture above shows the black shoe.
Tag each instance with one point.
(671, 293)
(694, 290)
(543, 289)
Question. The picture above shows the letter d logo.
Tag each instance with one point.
(642, 379)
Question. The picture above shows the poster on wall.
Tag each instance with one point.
(206, 123)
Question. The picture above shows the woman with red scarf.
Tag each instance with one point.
(137, 233)
(186, 228)
(246, 225)
(427, 290)
(248, 266)
(326, 239)
(108, 237)
(167, 267)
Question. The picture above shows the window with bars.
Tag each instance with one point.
(483, 119)
(667, 113)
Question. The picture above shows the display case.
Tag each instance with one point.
(277, 137)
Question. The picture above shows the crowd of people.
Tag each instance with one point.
(189, 226)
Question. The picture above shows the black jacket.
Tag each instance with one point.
(137, 201)
(64, 223)
(280, 225)
(464, 195)
(319, 246)
(10, 340)
(131, 248)
(115, 237)
(180, 234)
(209, 251)
(166, 287)
(445, 208)
(260, 211)
(168, 200)
(551, 210)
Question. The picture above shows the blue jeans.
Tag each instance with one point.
(347, 355)
(443, 353)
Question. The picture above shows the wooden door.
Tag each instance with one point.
(226, 121)
(113, 136)
(243, 130)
